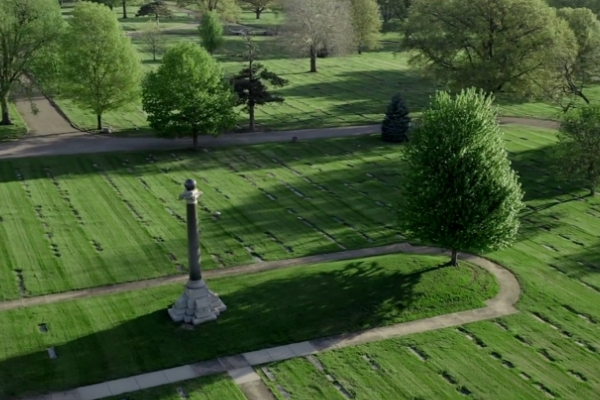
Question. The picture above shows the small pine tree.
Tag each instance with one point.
(396, 123)
(211, 31)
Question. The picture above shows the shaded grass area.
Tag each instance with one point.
(108, 337)
(218, 387)
(78, 222)
(15, 131)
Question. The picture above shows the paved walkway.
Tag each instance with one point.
(240, 366)
(82, 143)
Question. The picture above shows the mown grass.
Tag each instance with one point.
(352, 90)
(219, 387)
(551, 349)
(15, 131)
(115, 336)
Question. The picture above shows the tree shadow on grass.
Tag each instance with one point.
(584, 264)
(264, 311)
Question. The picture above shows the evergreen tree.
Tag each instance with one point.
(211, 31)
(396, 122)
(460, 191)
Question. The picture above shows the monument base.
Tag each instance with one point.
(197, 304)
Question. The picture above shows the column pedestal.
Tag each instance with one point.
(197, 304)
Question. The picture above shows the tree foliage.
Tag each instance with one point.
(250, 84)
(593, 5)
(211, 31)
(187, 95)
(514, 46)
(100, 68)
(256, 6)
(578, 72)
(396, 122)
(366, 23)
(394, 9)
(459, 189)
(578, 150)
(28, 29)
(152, 38)
(229, 10)
(314, 26)
(156, 9)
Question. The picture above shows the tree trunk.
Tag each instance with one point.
(99, 121)
(153, 54)
(258, 11)
(313, 59)
(454, 258)
(5, 114)
(124, 4)
(359, 49)
(592, 190)
(251, 114)
(195, 140)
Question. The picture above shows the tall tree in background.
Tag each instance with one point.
(498, 46)
(578, 150)
(229, 10)
(394, 9)
(187, 95)
(27, 29)
(313, 26)
(249, 83)
(578, 72)
(256, 6)
(100, 68)
(211, 31)
(152, 38)
(460, 191)
(366, 21)
(156, 9)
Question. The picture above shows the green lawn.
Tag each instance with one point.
(15, 131)
(120, 335)
(219, 387)
(353, 90)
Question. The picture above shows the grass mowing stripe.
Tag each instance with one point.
(113, 336)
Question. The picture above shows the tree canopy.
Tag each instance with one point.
(188, 95)
(366, 24)
(516, 46)
(256, 6)
(100, 68)
(459, 190)
(578, 150)
(28, 28)
(156, 9)
(211, 31)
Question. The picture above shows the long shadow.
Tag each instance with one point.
(584, 264)
(262, 312)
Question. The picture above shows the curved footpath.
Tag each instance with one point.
(81, 142)
(239, 366)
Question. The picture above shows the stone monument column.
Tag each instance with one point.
(197, 304)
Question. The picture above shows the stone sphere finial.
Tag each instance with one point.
(190, 184)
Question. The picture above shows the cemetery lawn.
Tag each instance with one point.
(354, 90)
(218, 387)
(15, 131)
(114, 336)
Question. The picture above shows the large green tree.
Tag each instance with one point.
(187, 95)
(579, 72)
(460, 191)
(211, 31)
(229, 10)
(498, 46)
(28, 29)
(578, 151)
(256, 6)
(100, 68)
(366, 21)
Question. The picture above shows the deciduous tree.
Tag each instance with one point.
(211, 31)
(498, 46)
(187, 95)
(313, 26)
(578, 151)
(366, 21)
(257, 6)
(156, 9)
(152, 38)
(100, 68)
(27, 29)
(459, 189)
(229, 10)
(249, 83)
(579, 72)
